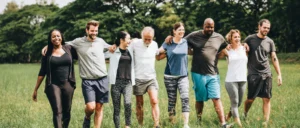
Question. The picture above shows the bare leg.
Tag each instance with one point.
(219, 109)
(185, 117)
(139, 109)
(98, 115)
(266, 108)
(199, 109)
(227, 118)
(238, 121)
(248, 104)
(89, 109)
(154, 104)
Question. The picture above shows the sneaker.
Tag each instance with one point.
(227, 126)
(186, 126)
(86, 123)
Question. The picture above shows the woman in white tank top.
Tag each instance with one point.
(236, 76)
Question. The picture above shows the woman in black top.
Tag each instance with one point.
(121, 76)
(58, 66)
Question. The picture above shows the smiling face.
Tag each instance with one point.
(235, 38)
(264, 28)
(126, 41)
(92, 32)
(208, 28)
(56, 38)
(179, 32)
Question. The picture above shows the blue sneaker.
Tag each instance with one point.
(86, 123)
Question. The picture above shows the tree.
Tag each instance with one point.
(11, 7)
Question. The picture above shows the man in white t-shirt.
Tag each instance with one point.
(144, 51)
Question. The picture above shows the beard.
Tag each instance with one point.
(208, 33)
(92, 36)
(264, 33)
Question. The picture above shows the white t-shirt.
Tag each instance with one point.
(144, 59)
(237, 65)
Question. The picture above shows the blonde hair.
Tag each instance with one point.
(230, 33)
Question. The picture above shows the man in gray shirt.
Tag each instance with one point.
(92, 69)
(259, 71)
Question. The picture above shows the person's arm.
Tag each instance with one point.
(169, 39)
(277, 67)
(37, 85)
(222, 54)
(190, 51)
(42, 73)
(44, 50)
(246, 47)
(160, 53)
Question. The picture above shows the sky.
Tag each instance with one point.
(3, 3)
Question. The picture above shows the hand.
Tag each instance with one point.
(279, 80)
(112, 48)
(246, 47)
(44, 50)
(169, 39)
(34, 96)
(228, 47)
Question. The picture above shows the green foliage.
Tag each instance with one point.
(24, 32)
(18, 29)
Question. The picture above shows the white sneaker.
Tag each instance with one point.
(186, 126)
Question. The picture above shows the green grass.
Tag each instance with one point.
(17, 82)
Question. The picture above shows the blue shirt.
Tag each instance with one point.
(177, 59)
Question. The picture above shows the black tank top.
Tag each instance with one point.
(60, 67)
(124, 68)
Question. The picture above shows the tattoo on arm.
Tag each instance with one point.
(275, 59)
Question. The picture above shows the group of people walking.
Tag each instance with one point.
(132, 71)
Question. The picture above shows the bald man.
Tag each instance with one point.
(204, 46)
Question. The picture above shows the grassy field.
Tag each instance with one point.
(17, 82)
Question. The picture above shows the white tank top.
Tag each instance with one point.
(237, 65)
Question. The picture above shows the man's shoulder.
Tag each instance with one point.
(218, 34)
(269, 39)
(251, 36)
(99, 39)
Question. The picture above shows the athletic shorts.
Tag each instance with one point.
(95, 90)
(206, 86)
(259, 85)
(142, 86)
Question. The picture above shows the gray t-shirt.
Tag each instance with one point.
(90, 57)
(258, 61)
(205, 50)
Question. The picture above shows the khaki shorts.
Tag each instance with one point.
(142, 86)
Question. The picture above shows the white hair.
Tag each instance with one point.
(147, 29)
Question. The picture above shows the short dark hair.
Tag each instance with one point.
(260, 23)
(50, 45)
(120, 35)
(92, 22)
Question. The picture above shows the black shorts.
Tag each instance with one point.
(259, 85)
(95, 90)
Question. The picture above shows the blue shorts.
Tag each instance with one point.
(206, 86)
(95, 90)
